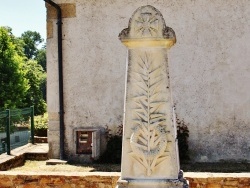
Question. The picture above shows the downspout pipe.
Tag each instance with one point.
(60, 74)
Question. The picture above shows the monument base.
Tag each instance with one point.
(150, 184)
(154, 183)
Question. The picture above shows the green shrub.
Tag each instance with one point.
(41, 125)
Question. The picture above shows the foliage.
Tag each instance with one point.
(22, 76)
(16, 41)
(41, 57)
(2, 124)
(41, 125)
(182, 136)
(41, 60)
(31, 41)
(36, 77)
(36, 70)
(13, 84)
(113, 150)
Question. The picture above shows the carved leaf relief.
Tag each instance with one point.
(149, 138)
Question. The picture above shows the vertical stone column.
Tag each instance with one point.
(150, 151)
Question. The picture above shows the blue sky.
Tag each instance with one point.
(23, 15)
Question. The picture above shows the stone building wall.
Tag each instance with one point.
(209, 71)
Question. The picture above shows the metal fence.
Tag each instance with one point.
(16, 128)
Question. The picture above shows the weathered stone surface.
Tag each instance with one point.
(68, 11)
(12, 162)
(49, 28)
(53, 140)
(38, 139)
(53, 116)
(220, 180)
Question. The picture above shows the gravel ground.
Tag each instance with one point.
(37, 166)
(223, 167)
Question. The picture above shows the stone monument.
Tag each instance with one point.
(150, 150)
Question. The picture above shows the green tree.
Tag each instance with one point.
(36, 77)
(13, 84)
(31, 41)
(41, 57)
(18, 44)
(41, 60)
(23, 79)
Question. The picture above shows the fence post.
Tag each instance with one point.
(32, 124)
(8, 131)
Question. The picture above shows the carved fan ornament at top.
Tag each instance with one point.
(146, 25)
(147, 22)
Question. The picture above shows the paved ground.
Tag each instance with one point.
(28, 148)
(220, 167)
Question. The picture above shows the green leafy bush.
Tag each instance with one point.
(41, 125)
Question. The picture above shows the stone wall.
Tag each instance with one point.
(38, 139)
(19, 160)
(108, 180)
(218, 180)
(209, 71)
(16, 161)
(56, 180)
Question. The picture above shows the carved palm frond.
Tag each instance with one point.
(148, 141)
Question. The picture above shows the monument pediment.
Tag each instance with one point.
(147, 28)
